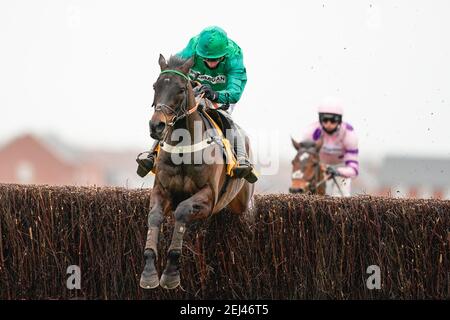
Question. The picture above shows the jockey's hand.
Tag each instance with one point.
(209, 92)
(197, 91)
(332, 172)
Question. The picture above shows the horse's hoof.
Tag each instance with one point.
(170, 281)
(149, 281)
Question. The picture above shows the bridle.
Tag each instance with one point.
(184, 110)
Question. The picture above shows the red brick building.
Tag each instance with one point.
(35, 160)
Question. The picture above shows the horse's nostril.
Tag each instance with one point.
(157, 127)
(160, 127)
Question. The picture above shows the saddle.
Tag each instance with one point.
(216, 124)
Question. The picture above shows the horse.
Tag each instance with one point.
(188, 190)
(308, 173)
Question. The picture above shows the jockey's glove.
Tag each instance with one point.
(209, 92)
(331, 171)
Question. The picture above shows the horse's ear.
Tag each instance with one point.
(162, 62)
(187, 65)
(295, 144)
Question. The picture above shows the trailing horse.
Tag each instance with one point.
(308, 173)
(185, 186)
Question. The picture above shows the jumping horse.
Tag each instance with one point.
(189, 190)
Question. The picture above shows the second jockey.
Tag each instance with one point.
(339, 149)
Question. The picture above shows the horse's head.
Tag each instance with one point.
(306, 167)
(173, 94)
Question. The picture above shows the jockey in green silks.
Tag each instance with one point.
(220, 69)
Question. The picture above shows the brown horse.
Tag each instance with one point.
(308, 173)
(188, 189)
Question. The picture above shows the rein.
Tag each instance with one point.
(314, 187)
(337, 185)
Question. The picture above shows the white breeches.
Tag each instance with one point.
(344, 185)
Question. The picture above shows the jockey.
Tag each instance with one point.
(339, 149)
(221, 72)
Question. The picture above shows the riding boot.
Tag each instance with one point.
(243, 168)
(145, 165)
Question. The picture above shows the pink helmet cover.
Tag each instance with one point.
(331, 105)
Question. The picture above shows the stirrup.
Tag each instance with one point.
(145, 165)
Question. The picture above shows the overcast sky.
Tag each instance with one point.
(84, 69)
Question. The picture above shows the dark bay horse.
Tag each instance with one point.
(188, 189)
(308, 173)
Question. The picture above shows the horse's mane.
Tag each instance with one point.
(175, 62)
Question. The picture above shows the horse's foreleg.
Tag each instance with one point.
(149, 277)
(199, 204)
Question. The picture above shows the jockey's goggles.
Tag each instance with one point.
(212, 60)
(333, 118)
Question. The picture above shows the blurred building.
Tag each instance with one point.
(404, 177)
(414, 177)
(46, 160)
(31, 159)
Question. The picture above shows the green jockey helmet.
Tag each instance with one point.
(212, 43)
